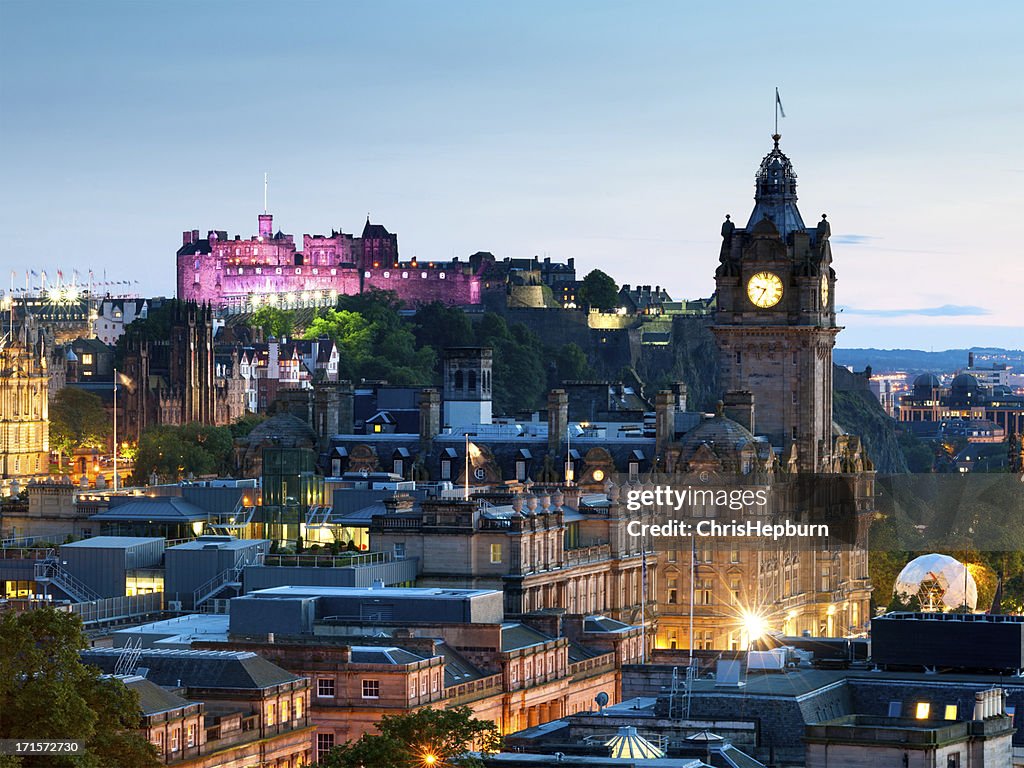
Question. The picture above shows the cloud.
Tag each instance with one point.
(853, 239)
(946, 310)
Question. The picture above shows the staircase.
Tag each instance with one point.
(49, 571)
(227, 579)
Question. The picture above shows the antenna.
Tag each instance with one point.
(266, 185)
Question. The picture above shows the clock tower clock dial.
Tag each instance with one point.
(824, 292)
(764, 289)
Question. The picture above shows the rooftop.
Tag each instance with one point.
(409, 593)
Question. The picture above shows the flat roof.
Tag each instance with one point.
(112, 542)
(422, 593)
(219, 543)
(181, 630)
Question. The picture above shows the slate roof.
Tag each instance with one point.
(162, 509)
(371, 654)
(154, 700)
(515, 636)
(241, 670)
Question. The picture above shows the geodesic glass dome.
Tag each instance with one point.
(940, 583)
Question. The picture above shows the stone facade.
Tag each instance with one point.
(24, 403)
(242, 274)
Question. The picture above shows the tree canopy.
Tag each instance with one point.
(598, 290)
(273, 321)
(77, 420)
(409, 741)
(46, 692)
(176, 452)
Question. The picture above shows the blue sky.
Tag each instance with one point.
(619, 134)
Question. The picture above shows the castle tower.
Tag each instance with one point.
(467, 386)
(775, 319)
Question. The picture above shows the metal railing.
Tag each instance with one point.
(354, 559)
(49, 571)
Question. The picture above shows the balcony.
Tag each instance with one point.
(584, 555)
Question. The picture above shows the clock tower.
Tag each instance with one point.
(775, 318)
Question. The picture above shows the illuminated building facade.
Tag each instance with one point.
(24, 397)
(268, 269)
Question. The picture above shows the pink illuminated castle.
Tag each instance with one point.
(240, 275)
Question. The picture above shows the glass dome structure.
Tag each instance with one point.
(940, 583)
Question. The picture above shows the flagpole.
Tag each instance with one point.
(693, 562)
(466, 494)
(115, 430)
(643, 601)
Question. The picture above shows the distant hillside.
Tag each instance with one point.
(917, 361)
(858, 412)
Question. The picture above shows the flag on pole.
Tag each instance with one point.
(126, 381)
(778, 103)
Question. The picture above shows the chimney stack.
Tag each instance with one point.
(430, 417)
(681, 392)
(739, 406)
(558, 421)
(664, 420)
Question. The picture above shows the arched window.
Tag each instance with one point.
(458, 379)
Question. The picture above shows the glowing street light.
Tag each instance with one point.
(755, 625)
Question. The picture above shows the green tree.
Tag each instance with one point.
(598, 290)
(571, 364)
(411, 740)
(246, 424)
(273, 321)
(77, 420)
(46, 692)
(438, 325)
(520, 377)
(176, 452)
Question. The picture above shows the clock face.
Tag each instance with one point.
(824, 291)
(765, 289)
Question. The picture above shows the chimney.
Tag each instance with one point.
(739, 406)
(664, 420)
(195, 235)
(430, 416)
(558, 421)
(346, 407)
(186, 237)
(266, 225)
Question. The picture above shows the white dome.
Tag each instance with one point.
(940, 582)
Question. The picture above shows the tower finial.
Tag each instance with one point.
(775, 138)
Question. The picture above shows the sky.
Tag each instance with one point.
(616, 133)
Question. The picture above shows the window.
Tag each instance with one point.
(400, 550)
(673, 590)
(495, 553)
(399, 467)
(423, 684)
(734, 554)
(405, 275)
(521, 470)
(371, 689)
(190, 735)
(514, 673)
(433, 682)
(634, 470)
(284, 712)
(325, 687)
(412, 686)
(706, 640)
(950, 712)
(441, 275)
(739, 357)
(734, 587)
(922, 710)
(446, 469)
(705, 589)
(175, 739)
(324, 744)
(953, 760)
(271, 713)
(158, 741)
(387, 274)
(299, 707)
(826, 578)
(87, 359)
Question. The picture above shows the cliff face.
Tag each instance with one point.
(858, 412)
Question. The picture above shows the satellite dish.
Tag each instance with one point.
(602, 701)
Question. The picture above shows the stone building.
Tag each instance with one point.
(24, 403)
(268, 268)
(209, 709)
(175, 381)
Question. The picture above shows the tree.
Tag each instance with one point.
(77, 420)
(273, 321)
(176, 452)
(46, 692)
(598, 290)
(438, 325)
(409, 740)
(571, 364)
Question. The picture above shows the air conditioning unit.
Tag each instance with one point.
(174, 605)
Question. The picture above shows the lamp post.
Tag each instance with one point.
(115, 430)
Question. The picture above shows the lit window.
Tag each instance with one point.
(922, 710)
(175, 739)
(423, 275)
(387, 274)
(441, 275)
(950, 713)
(495, 553)
(190, 737)
(371, 689)
(365, 274)
(405, 275)
(271, 714)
